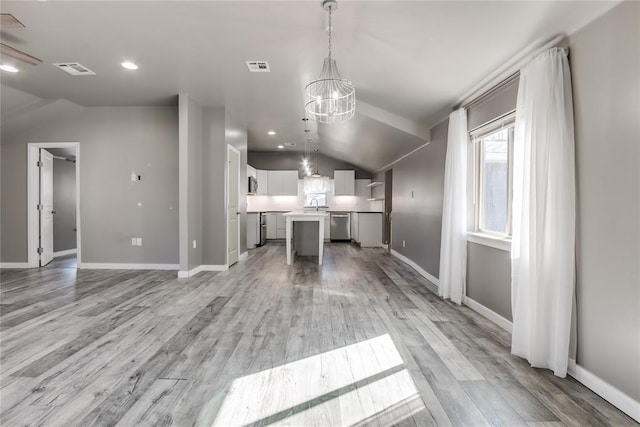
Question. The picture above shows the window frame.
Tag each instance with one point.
(477, 136)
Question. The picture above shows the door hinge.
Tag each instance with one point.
(40, 251)
(39, 164)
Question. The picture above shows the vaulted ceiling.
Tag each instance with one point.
(410, 61)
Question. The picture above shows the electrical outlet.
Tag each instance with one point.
(194, 244)
(404, 243)
(134, 177)
(134, 241)
(139, 241)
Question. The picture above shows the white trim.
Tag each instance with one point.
(243, 255)
(387, 166)
(64, 253)
(33, 185)
(126, 266)
(14, 265)
(505, 324)
(416, 267)
(488, 240)
(211, 267)
(605, 390)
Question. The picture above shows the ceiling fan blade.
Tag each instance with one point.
(7, 20)
(18, 54)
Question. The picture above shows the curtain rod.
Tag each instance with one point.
(505, 72)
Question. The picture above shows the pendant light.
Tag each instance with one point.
(330, 98)
(316, 174)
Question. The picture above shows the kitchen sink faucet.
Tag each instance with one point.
(311, 202)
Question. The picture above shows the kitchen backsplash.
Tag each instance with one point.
(280, 203)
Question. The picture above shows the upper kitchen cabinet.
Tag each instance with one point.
(345, 182)
(282, 183)
(263, 182)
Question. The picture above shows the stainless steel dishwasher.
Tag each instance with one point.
(340, 226)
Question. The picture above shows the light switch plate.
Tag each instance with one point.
(194, 244)
(133, 241)
(139, 241)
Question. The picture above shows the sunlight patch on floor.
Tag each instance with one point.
(345, 386)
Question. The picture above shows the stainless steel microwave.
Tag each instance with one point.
(253, 185)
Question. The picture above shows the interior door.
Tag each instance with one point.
(233, 197)
(388, 198)
(46, 207)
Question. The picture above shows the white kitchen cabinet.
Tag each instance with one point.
(263, 182)
(282, 183)
(272, 219)
(327, 228)
(368, 229)
(344, 182)
(355, 234)
(253, 230)
(281, 226)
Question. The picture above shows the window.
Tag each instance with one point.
(315, 199)
(493, 177)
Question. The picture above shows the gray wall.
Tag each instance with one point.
(64, 204)
(605, 72)
(207, 132)
(213, 171)
(290, 160)
(114, 141)
(489, 278)
(190, 125)
(418, 220)
(236, 136)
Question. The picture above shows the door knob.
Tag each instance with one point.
(53, 212)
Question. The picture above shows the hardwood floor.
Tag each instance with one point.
(360, 340)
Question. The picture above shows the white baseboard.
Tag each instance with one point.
(505, 324)
(126, 266)
(190, 273)
(605, 390)
(64, 253)
(243, 255)
(14, 265)
(416, 267)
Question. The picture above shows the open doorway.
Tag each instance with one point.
(53, 206)
(388, 207)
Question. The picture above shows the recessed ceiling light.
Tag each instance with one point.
(281, 146)
(271, 132)
(129, 65)
(9, 68)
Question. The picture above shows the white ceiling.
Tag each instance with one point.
(410, 61)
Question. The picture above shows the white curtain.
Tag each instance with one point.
(543, 246)
(453, 249)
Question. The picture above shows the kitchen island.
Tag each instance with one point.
(304, 217)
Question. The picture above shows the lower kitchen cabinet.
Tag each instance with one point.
(271, 225)
(366, 228)
(276, 225)
(253, 230)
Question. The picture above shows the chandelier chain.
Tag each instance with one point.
(330, 28)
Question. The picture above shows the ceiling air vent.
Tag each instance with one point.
(74, 68)
(258, 66)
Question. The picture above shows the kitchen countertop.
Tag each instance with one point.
(323, 210)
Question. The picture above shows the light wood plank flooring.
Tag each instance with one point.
(360, 340)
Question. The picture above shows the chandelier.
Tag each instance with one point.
(330, 98)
